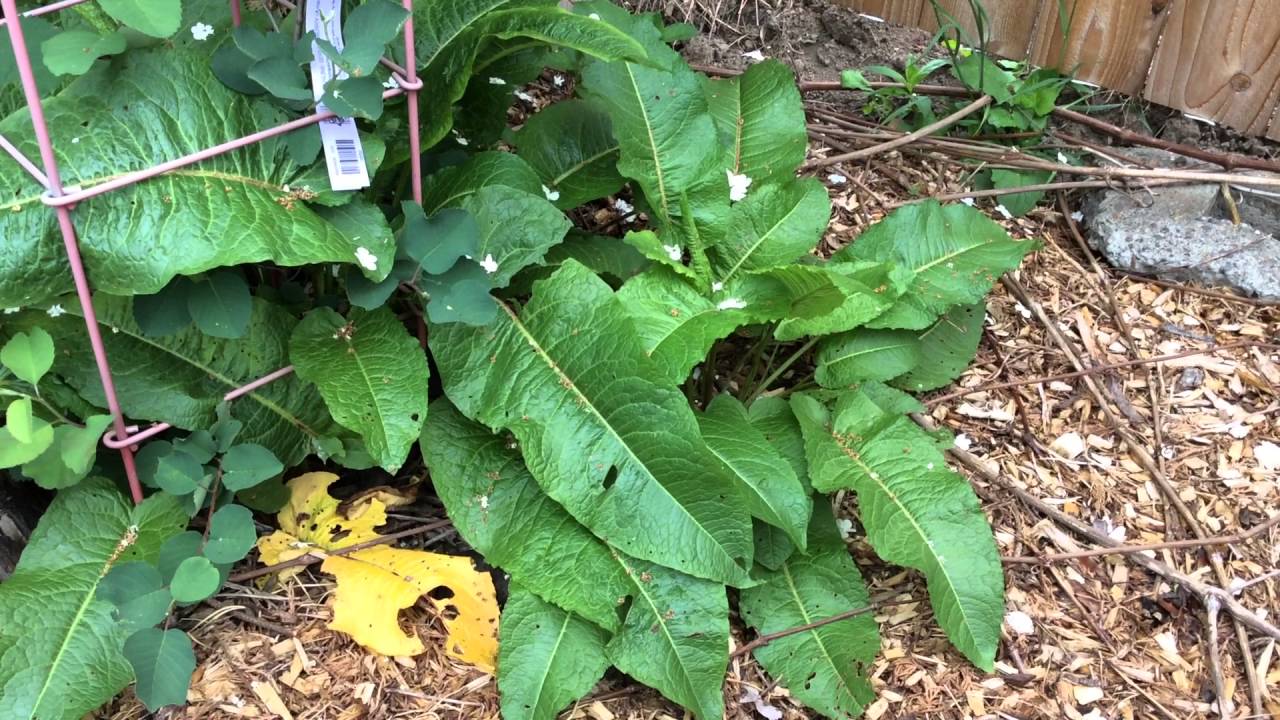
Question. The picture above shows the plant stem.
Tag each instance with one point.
(786, 364)
(43, 403)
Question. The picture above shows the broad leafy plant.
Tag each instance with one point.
(649, 383)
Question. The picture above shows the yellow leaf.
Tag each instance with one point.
(374, 584)
(313, 516)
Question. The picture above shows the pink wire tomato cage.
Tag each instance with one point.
(124, 437)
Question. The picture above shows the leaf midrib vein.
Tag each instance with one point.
(587, 403)
(760, 241)
(653, 143)
(808, 620)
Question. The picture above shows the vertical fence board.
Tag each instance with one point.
(1010, 23)
(1220, 59)
(1110, 42)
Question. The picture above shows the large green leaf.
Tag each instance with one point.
(675, 632)
(852, 357)
(675, 637)
(955, 251)
(135, 112)
(601, 430)
(868, 289)
(60, 646)
(450, 33)
(181, 378)
(516, 229)
(571, 146)
(500, 511)
(452, 185)
(773, 226)
(762, 114)
(765, 479)
(825, 667)
(917, 512)
(372, 375)
(667, 138)
(948, 347)
(547, 658)
(163, 661)
(678, 325)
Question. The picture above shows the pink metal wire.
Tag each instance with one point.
(122, 437)
(24, 161)
(110, 438)
(43, 10)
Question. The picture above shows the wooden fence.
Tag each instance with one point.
(1216, 59)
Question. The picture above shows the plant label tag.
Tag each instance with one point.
(343, 152)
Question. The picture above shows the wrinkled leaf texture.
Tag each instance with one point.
(134, 112)
(601, 431)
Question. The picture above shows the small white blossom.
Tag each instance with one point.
(552, 195)
(1063, 159)
(558, 80)
(367, 260)
(489, 264)
(845, 525)
(623, 207)
(673, 252)
(1077, 216)
(201, 31)
(1020, 622)
(731, 304)
(524, 96)
(963, 442)
(1004, 212)
(484, 502)
(460, 140)
(754, 56)
(391, 83)
(968, 201)
(837, 179)
(10, 311)
(56, 311)
(497, 81)
(717, 286)
(75, 141)
(1022, 310)
(738, 185)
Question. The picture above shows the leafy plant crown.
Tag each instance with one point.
(590, 439)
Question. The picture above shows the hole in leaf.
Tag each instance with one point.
(611, 477)
(440, 592)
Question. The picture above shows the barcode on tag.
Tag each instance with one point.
(343, 153)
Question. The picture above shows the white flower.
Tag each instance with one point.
(717, 286)
(963, 442)
(75, 141)
(754, 56)
(558, 80)
(460, 140)
(497, 81)
(731, 304)
(1267, 454)
(673, 252)
(489, 264)
(623, 207)
(525, 96)
(10, 311)
(1004, 211)
(738, 185)
(968, 201)
(201, 31)
(1077, 216)
(552, 195)
(837, 179)
(367, 260)
(484, 502)
(55, 311)
(391, 83)
(1020, 622)
(845, 525)
(1063, 159)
